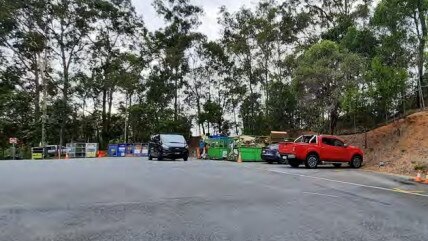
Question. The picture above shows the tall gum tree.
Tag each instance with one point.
(409, 17)
(175, 39)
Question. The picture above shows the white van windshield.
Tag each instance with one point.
(172, 139)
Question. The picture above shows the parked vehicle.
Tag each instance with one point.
(170, 146)
(312, 150)
(270, 154)
(54, 150)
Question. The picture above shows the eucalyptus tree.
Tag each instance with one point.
(198, 85)
(174, 40)
(324, 72)
(72, 22)
(23, 34)
(238, 39)
(407, 20)
(266, 32)
(115, 33)
(334, 18)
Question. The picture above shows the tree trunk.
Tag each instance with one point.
(125, 135)
(104, 119)
(110, 105)
(176, 102)
(334, 116)
(129, 130)
(420, 93)
(37, 92)
(64, 106)
(175, 97)
(267, 85)
(347, 7)
(198, 109)
(355, 125)
(44, 104)
(250, 76)
(65, 68)
(220, 127)
(421, 54)
(235, 120)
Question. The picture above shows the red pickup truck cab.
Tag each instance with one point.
(312, 150)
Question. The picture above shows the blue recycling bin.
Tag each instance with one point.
(129, 150)
(145, 150)
(121, 150)
(112, 150)
(140, 150)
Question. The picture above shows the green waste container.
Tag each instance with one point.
(217, 153)
(218, 147)
(251, 154)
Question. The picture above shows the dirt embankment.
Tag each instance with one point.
(398, 147)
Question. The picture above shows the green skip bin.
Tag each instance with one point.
(217, 153)
(251, 154)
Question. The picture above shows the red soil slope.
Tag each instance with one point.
(398, 147)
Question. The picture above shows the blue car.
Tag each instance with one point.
(270, 154)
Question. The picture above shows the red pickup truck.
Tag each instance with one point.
(312, 150)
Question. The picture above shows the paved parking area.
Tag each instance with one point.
(137, 199)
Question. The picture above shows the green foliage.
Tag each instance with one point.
(338, 32)
(363, 42)
(146, 120)
(325, 70)
(282, 107)
(406, 21)
(16, 117)
(252, 116)
(212, 114)
(386, 84)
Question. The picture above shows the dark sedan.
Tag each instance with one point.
(170, 146)
(270, 154)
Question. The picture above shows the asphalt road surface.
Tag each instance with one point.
(136, 199)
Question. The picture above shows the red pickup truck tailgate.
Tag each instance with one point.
(286, 147)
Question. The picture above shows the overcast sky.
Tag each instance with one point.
(209, 20)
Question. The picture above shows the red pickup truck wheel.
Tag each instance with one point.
(311, 161)
(356, 161)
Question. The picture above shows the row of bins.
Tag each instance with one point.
(220, 147)
(127, 150)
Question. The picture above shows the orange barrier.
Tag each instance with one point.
(239, 158)
(426, 179)
(102, 154)
(418, 177)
